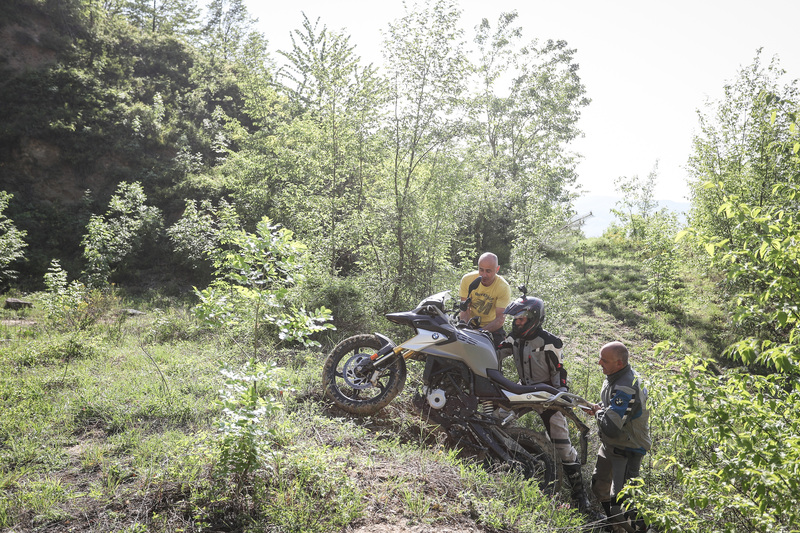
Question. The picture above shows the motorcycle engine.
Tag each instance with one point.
(446, 403)
(436, 398)
(445, 394)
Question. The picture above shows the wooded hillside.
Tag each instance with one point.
(386, 170)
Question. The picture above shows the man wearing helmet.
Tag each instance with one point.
(537, 356)
(489, 299)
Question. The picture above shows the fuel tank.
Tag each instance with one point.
(471, 347)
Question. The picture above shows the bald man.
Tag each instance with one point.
(624, 429)
(490, 299)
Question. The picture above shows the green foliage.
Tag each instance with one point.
(72, 306)
(173, 16)
(226, 28)
(545, 279)
(344, 296)
(769, 279)
(508, 502)
(427, 67)
(736, 149)
(733, 450)
(41, 495)
(249, 401)
(198, 232)
(650, 234)
(637, 204)
(62, 351)
(734, 435)
(174, 324)
(312, 492)
(660, 257)
(254, 273)
(11, 241)
(110, 239)
(523, 176)
(761, 266)
(331, 145)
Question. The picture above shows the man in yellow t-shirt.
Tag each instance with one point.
(490, 298)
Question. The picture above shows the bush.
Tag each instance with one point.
(11, 241)
(344, 297)
(254, 274)
(73, 306)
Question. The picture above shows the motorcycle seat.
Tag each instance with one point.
(512, 386)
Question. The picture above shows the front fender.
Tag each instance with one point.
(386, 343)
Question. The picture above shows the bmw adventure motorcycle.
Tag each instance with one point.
(464, 390)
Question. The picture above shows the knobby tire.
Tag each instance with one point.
(361, 401)
(545, 465)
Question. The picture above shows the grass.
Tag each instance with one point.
(117, 428)
(114, 429)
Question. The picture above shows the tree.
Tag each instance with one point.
(741, 165)
(650, 233)
(637, 203)
(169, 17)
(226, 28)
(734, 435)
(427, 68)
(113, 237)
(339, 102)
(11, 241)
(254, 272)
(732, 155)
(199, 232)
(522, 119)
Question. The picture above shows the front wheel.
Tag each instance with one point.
(538, 461)
(351, 383)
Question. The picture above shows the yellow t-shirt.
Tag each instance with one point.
(485, 300)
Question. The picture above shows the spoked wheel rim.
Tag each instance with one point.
(351, 381)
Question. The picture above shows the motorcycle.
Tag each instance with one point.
(464, 390)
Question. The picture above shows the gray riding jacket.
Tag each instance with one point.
(538, 360)
(624, 420)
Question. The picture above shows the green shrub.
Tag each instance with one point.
(63, 350)
(254, 273)
(11, 241)
(344, 297)
(173, 325)
(250, 398)
(73, 306)
(111, 238)
(312, 492)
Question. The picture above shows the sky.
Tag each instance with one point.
(648, 66)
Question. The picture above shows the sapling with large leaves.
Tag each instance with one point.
(254, 273)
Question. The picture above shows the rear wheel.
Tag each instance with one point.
(538, 461)
(350, 381)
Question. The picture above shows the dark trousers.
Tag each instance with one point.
(613, 468)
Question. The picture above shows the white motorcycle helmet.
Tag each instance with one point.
(527, 307)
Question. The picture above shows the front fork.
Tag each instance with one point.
(384, 357)
(387, 352)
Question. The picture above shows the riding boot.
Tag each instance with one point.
(572, 471)
(632, 517)
(615, 519)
